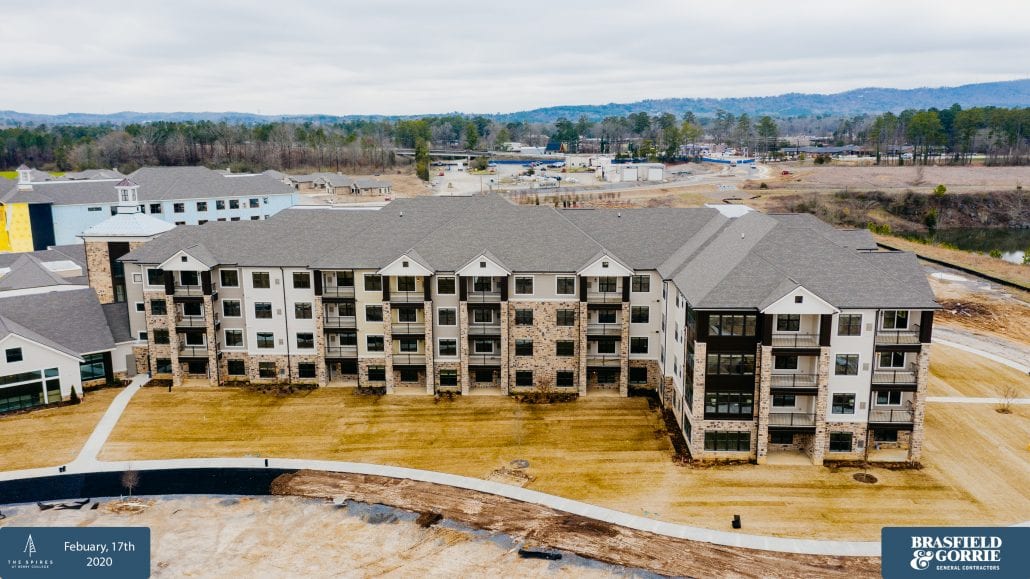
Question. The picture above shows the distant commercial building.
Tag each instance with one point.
(38, 212)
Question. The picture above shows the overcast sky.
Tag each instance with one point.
(418, 56)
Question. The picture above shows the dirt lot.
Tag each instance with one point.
(607, 451)
(970, 375)
(52, 436)
(981, 307)
(1012, 272)
(833, 177)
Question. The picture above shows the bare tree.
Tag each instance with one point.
(130, 480)
(1007, 393)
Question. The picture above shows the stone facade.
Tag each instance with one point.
(582, 316)
(544, 332)
(430, 373)
(464, 379)
(915, 450)
(440, 367)
(817, 448)
(363, 366)
(141, 355)
(764, 401)
(859, 433)
(387, 345)
(223, 367)
(624, 351)
(654, 373)
(697, 404)
(707, 426)
(98, 270)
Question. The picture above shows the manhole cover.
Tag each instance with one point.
(864, 477)
(520, 463)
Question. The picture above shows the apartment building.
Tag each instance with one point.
(39, 211)
(762, 333)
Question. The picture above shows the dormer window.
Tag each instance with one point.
(799, 299)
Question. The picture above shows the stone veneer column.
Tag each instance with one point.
(212, 341)
(915, 446)
(821, 404)
(506, 313)
(430, 350)
(98, 270)
(697, 406)
(581, 321)
(764, 402)
(624, 352)
(463, 347)
(320, 343)
(388, 343)
(173, 341)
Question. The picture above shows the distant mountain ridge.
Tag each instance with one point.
(1013, 93)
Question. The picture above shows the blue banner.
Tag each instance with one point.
(955, 552)
(81, 552)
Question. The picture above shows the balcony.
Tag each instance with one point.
(339, 322)
(408, 328)
(338, 291)
(594, 297)
(484, 359)
(792, 420)
(190, 321)
(602, 329)
(883, 416)
(792, 340)
(407, 297)
(485, 329)
(484, 297)
(603, 360)
(350, 351)
(193, 351)
(188, 290)
(908, 337)
(406, 359)
(794, 380)
(894, 377)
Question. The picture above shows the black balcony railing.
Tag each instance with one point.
(604, 329)
(888, 376)
(193, 350)
(408, 328)
(409, 359)
(484, 297)
(882, 416)
(190, 321)
(484, 329)
(792, 419)
(341, 351)
(338, 291)
(339, 322)
(484, 359)
(188, 290)
(407, 297)
(898, 337)
(604, 360)
(792, 340)
(612, 297)
(794, 380)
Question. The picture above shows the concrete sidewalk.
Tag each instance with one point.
(87, 457)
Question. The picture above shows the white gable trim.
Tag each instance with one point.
(614, 268)
(810, 304)
(41, 345)
(176, 263)
(397, 267)
(482, 266)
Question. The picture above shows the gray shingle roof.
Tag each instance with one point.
(117, 315)
(9, 326)
(74, 319)
(28, 272)
(93, 174)
(75, 253)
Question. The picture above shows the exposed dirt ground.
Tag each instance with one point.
(981, 307)
(806, 176)
(586, 537)
(51, 436)
(974, 376)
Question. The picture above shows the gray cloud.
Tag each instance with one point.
(410, 56)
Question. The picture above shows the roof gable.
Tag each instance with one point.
(408, 263)
(195, 258)
(484, 265)
(809, 303)
(604, 265)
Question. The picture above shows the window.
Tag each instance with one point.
(840, 442)
(638, 345)
(219, 204)
(849, 325)
(408, 345)
(236, 367)
(306, 370)
(373, 282)
(892, 398)
(640, 283)
(731, 364)
(566, 286)
(234, 219)
(799, 299)
(448, 347)
(523, 347)
(606, 346)
(523, 285)
(484, 376)
(606, 317)
(155, 276)
(523, 317)
(255, 217)
(784, 400)
(234, 204)
(779, 437)
(409, 375)
(302, 310)
(448, 377)
(374, 343)
(230, 277)
(895, 319)
(405, 283)
(305, 340)
(348, 338)
(201, 205)
(92, 367)
(788, 322)
(142, 336)
(739, 405)
(231, 308)
(161, 336)
(638, 375)
(407, 315)
(564, 379)
(373, 313)
(158, 307)
(892, 359)
(155, 208)
(254, 203)
(843, 404)
(447, 316)
(523, 378)
(301, 280)
(731, 325)
(137, 278)
(728, 441)
(164, 366)
(885, 435)
(606, 375)
(482, 284)
(785, 362)
(260, 279)
(179, 207)
(564, 348)
(445, 285)
(13, 355)
(263, 310)
(234, 338)
(640, 314)
(189, 278)
(566, 318)
(607, 284)
(265, 340)
(377, 374)
(847, 365)
(193, 309)
(482, 316)
(483, 347)
(266, 369)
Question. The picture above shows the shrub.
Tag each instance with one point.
(995, 253)
(763, 186)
